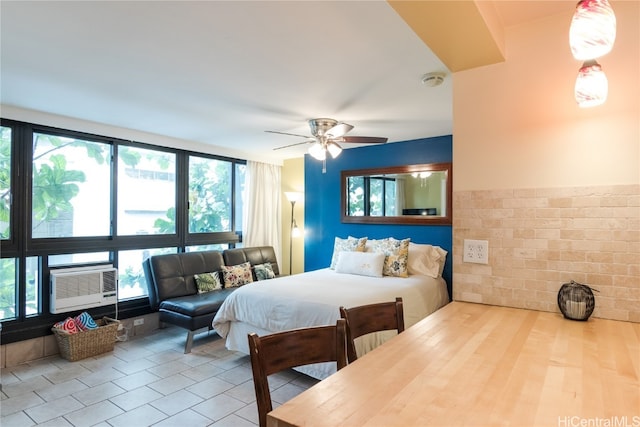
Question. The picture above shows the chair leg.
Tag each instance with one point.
(189, 343)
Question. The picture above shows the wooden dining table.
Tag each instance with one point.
(482, 365)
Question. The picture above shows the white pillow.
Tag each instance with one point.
(427, 260)
(360, 263)
(346, 245)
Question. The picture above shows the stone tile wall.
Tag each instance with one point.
(540, 238)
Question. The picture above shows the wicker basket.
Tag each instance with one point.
(87, 343)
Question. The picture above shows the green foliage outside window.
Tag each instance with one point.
(7, 288)
(5, 181)
(55, 185)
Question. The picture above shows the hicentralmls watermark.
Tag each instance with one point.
(615, 421)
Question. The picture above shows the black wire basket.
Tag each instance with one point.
(576, 301)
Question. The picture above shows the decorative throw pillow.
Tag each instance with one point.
(68, 325)
(360, 263)
(264, 271)
(237, 275)
(396, 256)
(84, 321)
(207, 282)
(426, 259)
(350, 244)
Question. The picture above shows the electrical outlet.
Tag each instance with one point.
(138, 322)
(476, 251)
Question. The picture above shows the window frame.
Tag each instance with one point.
(22, 245)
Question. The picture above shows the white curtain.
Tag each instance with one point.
(400, 198)
(262, 216)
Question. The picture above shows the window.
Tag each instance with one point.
(146, 191)
(8, 290)
(79, 259)
(131, 280)
(209, 195)
(71, 184)
(97, 200)
(8, 280)
(5, 182)
(239, 196)
(33, 297)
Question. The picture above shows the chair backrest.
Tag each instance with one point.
(366, 319)
(288, 349)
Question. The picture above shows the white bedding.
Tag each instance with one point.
(314, 298)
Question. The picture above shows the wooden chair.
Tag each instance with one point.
(366, 319)
(288, 349)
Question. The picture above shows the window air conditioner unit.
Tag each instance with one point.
(84, 287)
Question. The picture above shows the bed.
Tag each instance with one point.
(313, 298)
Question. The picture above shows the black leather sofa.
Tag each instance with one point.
(173, 291)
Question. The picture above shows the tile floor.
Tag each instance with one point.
(147, 381)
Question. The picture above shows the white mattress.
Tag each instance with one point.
(314, 298)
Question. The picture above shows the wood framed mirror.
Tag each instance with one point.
(411, 194)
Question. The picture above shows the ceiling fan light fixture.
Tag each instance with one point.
(317, 151)
(334, 149)
(592, 85)
(593, 29)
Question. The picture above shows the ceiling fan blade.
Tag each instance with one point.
(363, 139)
(339, 130)
(297, 143)
(285, 133)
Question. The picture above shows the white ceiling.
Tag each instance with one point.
(223, 72)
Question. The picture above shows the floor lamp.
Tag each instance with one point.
(293, 197)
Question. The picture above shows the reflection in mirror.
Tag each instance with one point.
(414, 194)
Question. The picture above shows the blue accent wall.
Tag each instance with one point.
(322, 199)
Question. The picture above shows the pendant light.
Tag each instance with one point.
(591, 85)
(593, 29)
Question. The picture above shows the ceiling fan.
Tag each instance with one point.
(327, 134)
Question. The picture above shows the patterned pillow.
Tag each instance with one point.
(350, 244)
(68, 325)
(237, 275)
(396, 256)
(84, 321)
(264, 271)
(207, 282)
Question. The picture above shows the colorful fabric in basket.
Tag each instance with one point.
(72, 325)
(84, 321)
(67, 325)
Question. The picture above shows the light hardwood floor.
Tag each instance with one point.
(147, 381)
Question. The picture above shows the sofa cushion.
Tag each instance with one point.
(255, 255)
(264, 271)
(207, 282)
(237, 275)
(197, 304)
